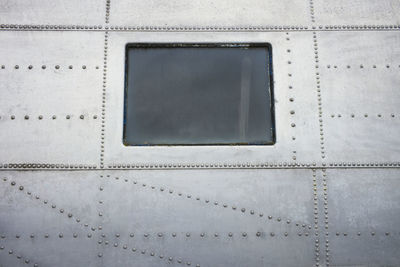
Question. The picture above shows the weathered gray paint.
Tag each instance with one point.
(327, 190)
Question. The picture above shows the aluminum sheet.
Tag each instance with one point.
(209, 13)
(297, 135)
(364, 217)
(59, 12)
(29, 91)
(360, 96)
(235, 218)
(357, 12)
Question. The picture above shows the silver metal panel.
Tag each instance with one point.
(364, 217)
(73, 12)
(209, 13)
(40, 223)
(357, 12)
(235, 218)
(297, 135)
(359, 83)
(48, 111)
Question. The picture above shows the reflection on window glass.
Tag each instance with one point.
(186, 94)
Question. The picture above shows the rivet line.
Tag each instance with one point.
(10, 252)
(316, 218)
(151, 253)
(47, 203)
(107, 19)
(365, 115)
(45, 67)
(253, 28)
(49, 117)
(386, 66)
(198, 199)
(325, 194)
(291, 99)
(312, 12)
(103, 103)
(156, 166)
(319, 97)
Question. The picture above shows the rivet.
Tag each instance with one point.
(21, 188)
(12, 183)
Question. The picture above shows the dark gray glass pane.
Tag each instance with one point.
(198, 95)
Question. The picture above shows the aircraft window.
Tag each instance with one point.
(198, 94)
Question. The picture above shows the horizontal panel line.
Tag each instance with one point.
(16, 167)
(149, 28)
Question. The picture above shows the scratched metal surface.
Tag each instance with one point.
(325, 195)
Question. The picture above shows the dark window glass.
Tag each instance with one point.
(191, 94)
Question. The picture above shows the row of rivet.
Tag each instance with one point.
(199, 28)
(291, 99)
(379, 115)
(318, 81)
(43, 67)
(372, 233)
(215, 203)
(100, 209)
(326, 222)
(45, 202)
(146, 166)
(252, 166)
(107, 19)
(53, 117)
(50, 27)
(11, 252)
(358, 27)
(169, 259)
(46, 166)
(103, 102)
(312, 13)
(211, 165)
(315, 198)
(387, 66)
(174, 235)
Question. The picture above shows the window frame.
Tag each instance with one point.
(271, 105)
